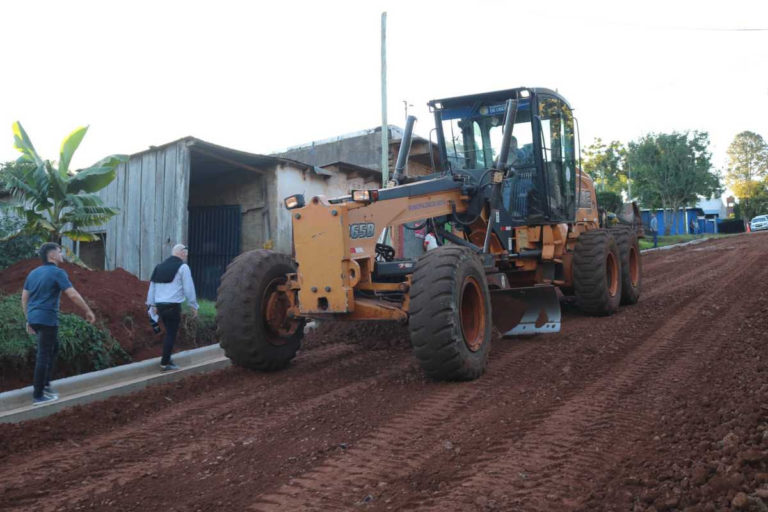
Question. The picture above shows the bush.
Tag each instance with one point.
(82, 347)
(19, 248)
(609, 201)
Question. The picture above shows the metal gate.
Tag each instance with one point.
(214, 241)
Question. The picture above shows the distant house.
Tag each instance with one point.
(705, 215)
(363, 149)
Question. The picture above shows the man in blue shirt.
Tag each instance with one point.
(40, 304)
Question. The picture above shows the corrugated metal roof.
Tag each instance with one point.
(252, 159)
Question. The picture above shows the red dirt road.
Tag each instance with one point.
(663, 406)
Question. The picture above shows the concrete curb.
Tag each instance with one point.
(681, 244)
(16, 405)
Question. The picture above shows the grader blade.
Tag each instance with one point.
(535, 309)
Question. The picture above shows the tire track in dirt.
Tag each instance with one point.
(219, 442)
(341, 474)
(390, 450)
(553, 451)
(481, 420)
(133, 447)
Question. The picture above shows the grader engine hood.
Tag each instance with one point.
(320, 241)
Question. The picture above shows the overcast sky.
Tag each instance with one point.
(264, 76)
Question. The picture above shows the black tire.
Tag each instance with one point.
(244, 333)
(597, 273)
(450, 314)
(631, 264)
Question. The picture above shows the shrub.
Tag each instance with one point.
(19, 248)
(82, 347)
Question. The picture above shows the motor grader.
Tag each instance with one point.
(517, 226)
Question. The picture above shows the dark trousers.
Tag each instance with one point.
(655, 238)
(47, 350)
(170, 314)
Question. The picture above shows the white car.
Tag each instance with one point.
(759, 223)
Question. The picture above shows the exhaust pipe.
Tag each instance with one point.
(506, 140)
(405, 150)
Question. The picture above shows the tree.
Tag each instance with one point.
(605, 164)
(672, 170)
(747, 172)
(57, 202)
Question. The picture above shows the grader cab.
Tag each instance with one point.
(515, 221)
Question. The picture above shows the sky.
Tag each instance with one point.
(265, 76)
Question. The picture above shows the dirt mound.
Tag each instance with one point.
(117, 299)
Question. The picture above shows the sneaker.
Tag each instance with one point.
(45, 399)
(168, 367)
(55, 396)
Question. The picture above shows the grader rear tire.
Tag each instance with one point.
(631, 265)
(254, 329)
(597, 273)
(450, 314)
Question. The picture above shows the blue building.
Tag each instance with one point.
(680, 221)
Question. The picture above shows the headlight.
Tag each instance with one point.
(365, 196)
(295, 201)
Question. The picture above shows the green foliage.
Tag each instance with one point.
(609, 201)
(202, 329)
(82, 346)
(606, 165)
(56, 201)
(756, 204)
(17, 248)
(671, 170)
(747, 173)
(207, 311)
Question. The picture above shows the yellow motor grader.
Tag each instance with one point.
(514, 220)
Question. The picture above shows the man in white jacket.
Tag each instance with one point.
(170, 283)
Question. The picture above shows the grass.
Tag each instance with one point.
(647, 243)
(207, 311)
(202, 330)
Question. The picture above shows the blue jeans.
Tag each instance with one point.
(47, 351)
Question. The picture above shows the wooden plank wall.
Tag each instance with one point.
(151, 191)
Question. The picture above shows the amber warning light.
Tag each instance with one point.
(295, 201)
(365, 196)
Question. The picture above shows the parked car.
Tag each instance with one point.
(759, 223)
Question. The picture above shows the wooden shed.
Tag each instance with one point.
(219, 201)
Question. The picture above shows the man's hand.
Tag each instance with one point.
(90, 317)
(154, 310)
(194, 313)
(30, 330)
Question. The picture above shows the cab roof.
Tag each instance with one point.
(495, 96)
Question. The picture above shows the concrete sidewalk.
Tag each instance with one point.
(16, 405)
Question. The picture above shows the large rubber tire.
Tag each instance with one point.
(450, 314)
(631, 265)
(597, 273)
(245, 290)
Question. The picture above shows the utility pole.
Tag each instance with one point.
(384, 126)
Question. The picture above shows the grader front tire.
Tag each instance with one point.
(251, 313)
(450, 314)
(597, 273)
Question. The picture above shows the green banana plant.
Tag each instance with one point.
(57, 202)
